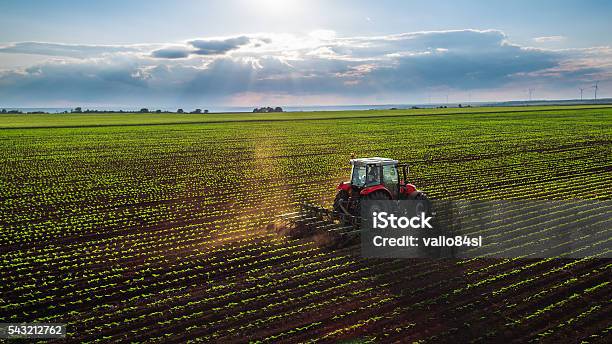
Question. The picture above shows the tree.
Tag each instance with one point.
(197, 111)
(180, 111)
(268, 109)
(158, 111)
(205, 111)
(77, 109)
(144, 110)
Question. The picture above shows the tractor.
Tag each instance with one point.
(375, 179)
(371, 178)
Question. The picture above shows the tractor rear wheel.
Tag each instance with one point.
(375, 196)
(423, 205)
(341, 200)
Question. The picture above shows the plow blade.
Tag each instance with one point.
(331, 228)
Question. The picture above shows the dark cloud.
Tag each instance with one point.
(462, 68)
(218, 47)
(72, 83)
(204, 47)
(171, 53)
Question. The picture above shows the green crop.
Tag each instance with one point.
(131, 227)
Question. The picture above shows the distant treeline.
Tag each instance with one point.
(268, 109)
(21, 112)
(143, 110)
(80, 110)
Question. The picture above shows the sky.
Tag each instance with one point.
(300, 52)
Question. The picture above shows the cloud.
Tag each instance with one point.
(217, 47)
(322, 65)
(66, 50)
(549, 39)
(206, 47)
(74, 82)
(324, 35)
(171, 53)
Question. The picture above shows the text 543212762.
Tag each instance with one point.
(32, 330)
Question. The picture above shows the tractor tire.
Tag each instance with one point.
(375, 196)
(341, 199)
(424, 205)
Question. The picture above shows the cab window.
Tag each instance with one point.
(391, 179)
(390, 174)
(358, 176)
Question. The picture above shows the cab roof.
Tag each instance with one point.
(373, 161)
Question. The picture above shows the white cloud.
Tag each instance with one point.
(324, 35)
(67, 50)
(549, 39)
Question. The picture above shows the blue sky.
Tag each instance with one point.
(300, 52)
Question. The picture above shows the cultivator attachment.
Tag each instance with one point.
(331, 228)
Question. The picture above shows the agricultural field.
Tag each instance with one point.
(149, 227)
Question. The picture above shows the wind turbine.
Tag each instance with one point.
(531, 92)
(581, 90)
(596, 87)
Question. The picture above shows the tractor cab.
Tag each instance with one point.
(372, 172)
(374, 178)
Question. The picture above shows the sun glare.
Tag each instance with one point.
(275, 7)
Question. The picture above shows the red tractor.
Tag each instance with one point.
(375, 179)
(372, 179)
